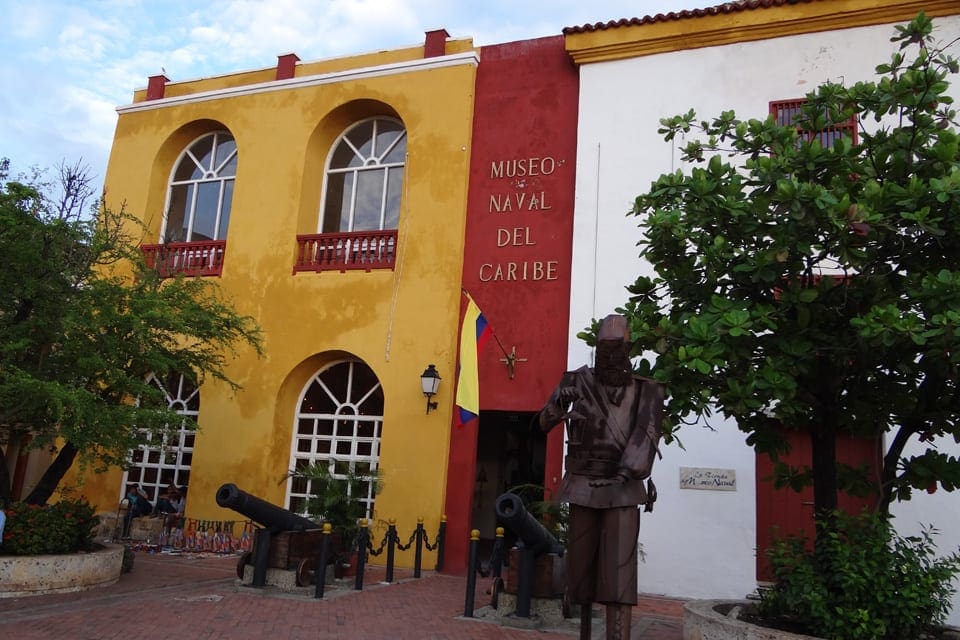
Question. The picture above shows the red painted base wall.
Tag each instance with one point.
(518, 247)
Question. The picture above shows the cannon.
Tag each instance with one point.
(536, 566)
(287, 541)
(260, 511)
(534, 536)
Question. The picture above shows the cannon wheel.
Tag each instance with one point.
(243, 562)
(304, 573)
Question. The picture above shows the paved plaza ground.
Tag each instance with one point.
(198, 596)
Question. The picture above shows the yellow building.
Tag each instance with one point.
(329, 199)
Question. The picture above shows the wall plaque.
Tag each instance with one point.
(708, 479)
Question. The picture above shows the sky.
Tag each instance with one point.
(65, 65)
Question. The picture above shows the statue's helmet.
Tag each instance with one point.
(614, 327)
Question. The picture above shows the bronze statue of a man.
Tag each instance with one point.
(614, 422)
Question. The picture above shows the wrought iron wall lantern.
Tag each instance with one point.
(430, 382)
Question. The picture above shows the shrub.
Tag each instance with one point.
(64, 527)
(863, 582)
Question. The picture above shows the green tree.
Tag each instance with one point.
(83, 324)
(816, 285)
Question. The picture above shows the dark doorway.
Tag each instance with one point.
(510, 453)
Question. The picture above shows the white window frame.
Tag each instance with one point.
(374, 161)
(174, 451)
(297, 491)
(223, 173)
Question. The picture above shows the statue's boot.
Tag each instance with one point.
(586, 613)
(618, 621)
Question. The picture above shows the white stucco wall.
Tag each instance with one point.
(699, 543)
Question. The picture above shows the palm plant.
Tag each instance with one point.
(336, 493)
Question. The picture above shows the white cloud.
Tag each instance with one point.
(67, 64)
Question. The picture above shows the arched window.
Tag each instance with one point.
(364, 178)
(201, 190)
(166, 460)
(339, 421)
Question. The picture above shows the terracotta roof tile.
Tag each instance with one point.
(727, 7)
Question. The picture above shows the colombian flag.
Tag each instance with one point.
(473, 335)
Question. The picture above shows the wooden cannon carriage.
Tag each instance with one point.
(287, 541)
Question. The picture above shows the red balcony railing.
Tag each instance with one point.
(189, 258)
(341, 251)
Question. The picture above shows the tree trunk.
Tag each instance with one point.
(53, 475)
(5, 488)
(824, 467)
(889, 471)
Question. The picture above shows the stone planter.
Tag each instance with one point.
(37, 575)
(708, 620)
(717, 620)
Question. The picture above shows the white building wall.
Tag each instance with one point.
(699, 544)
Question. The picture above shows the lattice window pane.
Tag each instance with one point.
(165, 460)
(364, 178)
(345, 437)
(201, 190)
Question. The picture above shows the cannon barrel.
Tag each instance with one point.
(532, 534)
(261, 511)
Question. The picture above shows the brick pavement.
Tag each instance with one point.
(197, 597)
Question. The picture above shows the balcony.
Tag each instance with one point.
(187, 258)
(365, 250)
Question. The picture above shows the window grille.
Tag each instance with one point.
(339, 421)
(166, 459)
(786, 112)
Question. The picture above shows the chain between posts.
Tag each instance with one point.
(495, 562)
(494, 567)
(404, 547)
(437, 540)
(363, 548)
(392, 534)
(379, 550)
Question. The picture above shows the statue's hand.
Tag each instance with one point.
(567, 396)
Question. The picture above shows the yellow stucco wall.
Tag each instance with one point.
(396, 321)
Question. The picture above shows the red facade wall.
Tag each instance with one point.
(518, 247)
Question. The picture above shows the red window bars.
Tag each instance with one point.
(785, 113)
(350, 250)
(189, 258)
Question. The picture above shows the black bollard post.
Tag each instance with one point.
(261, 557)
(418, 552)
(525, 581)
(441, 536)
(321, 570)
(496, 568)
(471, 574)
(496, 555)
(362, 539)
(391, 548)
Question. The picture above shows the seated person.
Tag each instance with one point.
(138, 504)
(172, 505)
(167, 502)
